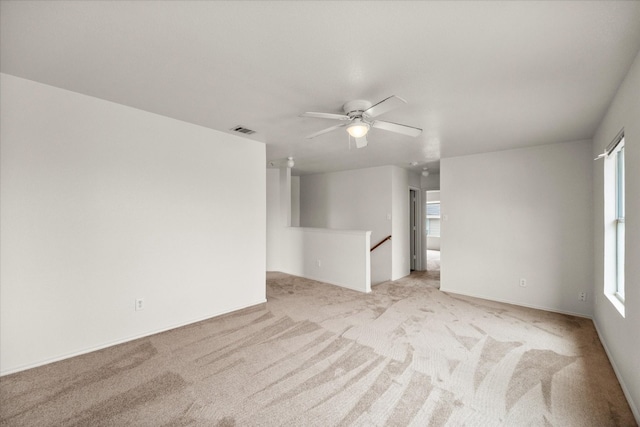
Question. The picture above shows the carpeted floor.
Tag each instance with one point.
(319, 355)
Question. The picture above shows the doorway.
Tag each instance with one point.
(432, 230)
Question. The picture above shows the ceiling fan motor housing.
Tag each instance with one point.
(355, 108)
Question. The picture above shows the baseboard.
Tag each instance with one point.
(342, 285)
(124, 340)
(552, 310)
(319, 279)
(627, 395)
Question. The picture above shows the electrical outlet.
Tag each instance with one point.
(319, 263)
(582, 296)
(139, 304)
(523, 283)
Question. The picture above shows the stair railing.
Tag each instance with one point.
(381, 242)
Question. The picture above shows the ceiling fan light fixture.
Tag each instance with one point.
(358, 129)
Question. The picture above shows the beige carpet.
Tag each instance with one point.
(319, 355)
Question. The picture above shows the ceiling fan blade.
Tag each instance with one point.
(361, 142)
(313, 135)
(397, 128)
(385, 105)
(325, 116)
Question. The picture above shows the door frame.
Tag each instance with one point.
(415, 229)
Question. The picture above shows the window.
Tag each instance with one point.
(618, 154)
(433, 219)
(614, 233)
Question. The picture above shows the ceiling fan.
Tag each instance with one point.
(360, 116)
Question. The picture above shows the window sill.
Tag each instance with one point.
(619, 305)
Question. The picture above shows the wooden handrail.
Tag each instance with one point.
(381, 242)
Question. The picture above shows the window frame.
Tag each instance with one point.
(432, 217)
(614, 222)
(618, 154)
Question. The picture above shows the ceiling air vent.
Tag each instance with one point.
(243, 130)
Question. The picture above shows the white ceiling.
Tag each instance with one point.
(478, 76)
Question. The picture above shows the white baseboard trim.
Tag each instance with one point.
(342, 285)
(553, 310)
(625, 390)
(122, 341)
(320, 279)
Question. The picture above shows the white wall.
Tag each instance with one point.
(431, 182)
(275, 221)
(285, 195)
(514, 214)
(295, 201)
(415, 179)
(620, 335)
(433, 243)
(103, 204)
(353, 200)
(339, 257)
